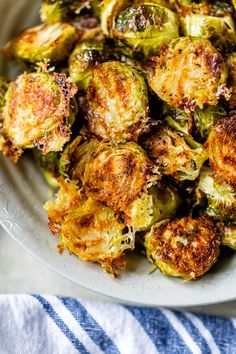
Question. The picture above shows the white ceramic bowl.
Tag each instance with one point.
(23, 193)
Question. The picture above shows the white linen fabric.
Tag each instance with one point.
(36, 324)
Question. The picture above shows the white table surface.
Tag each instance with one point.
(21, 273)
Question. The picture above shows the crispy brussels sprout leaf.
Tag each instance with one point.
(48, 164)
(221, 196)
(177, 155)
(39, 112)
(182, 70)
(206, 118)
(83, 59)
(52, 42)
(75, 157)
(88, 228)
(146, 26)
(157, 203)
(222, 148)
(117, 102)
(220, 30)
(231, 63)
(118, 174)
(185, 248)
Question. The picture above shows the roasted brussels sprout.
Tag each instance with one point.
(48, 164)
(83, 59)
(205, 119)
(52, 42)
(221, 196)
(222, 148)
(39, 112)
(52, 11)
(220, 30)
(189, 73)
(146, 26)
(118, 174)
(177, 155)
(231, 63)
(89, 229)
(228, 235)
(157, 203)
(117, 102)
(185, 248)
(75, 157)
(177, 119)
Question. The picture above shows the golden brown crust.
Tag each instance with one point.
(117, 102)
(189, 247)
(37, 113)
(117, 175)
(170, 152)
(221, 146)
(88, 228)
(182, 71)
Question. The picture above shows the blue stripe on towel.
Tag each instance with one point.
(159, 330)
(195, 334)
(222, 331)
(88, 323)
(61, 324)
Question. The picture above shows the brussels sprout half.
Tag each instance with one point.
(117, 175)
(189, 73)
(206, 118)
(175, 154)
(185, 248)
(39, 112)
(83, 59)
(146, 26)
(221, 196)
(159, 202)
(52, 42)
(221, 146)
(220, 30)
(117, 102)
(90, 229)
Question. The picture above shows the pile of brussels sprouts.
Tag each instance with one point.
(129, 109)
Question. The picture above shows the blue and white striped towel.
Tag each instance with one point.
(59, 325)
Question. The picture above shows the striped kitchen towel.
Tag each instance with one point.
(59, 325)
